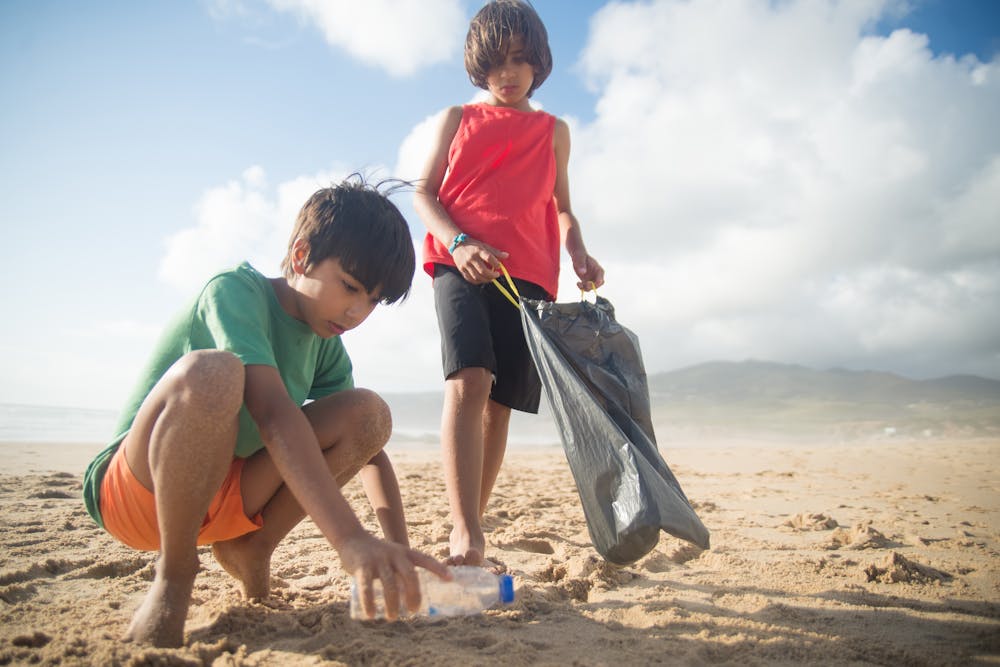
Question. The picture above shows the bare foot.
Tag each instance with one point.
(466, 550)
(248, 563)
(159, 620)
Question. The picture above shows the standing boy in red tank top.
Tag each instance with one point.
(494, 189)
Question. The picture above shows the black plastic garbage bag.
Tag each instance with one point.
(593, 375)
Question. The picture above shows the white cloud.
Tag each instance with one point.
(768, 179)
(399, 36)
(246, 219)
(761, 179)
(241, 220)
(416, 147)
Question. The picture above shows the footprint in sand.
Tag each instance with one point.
(118, 568)
(534, 546)
(49, 568)
(59, 485)
(16, 593)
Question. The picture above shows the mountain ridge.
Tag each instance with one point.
(771, 398)
(775, 379)
(766, 399)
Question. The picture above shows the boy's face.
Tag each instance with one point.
(330, 300)
(510, 81)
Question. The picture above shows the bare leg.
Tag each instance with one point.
(351, 426)
(496, 420)
(466, 394)
(181, 446)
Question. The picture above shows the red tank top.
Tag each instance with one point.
(499, 189)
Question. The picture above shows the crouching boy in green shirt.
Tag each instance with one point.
(218, 445)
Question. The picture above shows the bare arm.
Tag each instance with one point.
(379, 482)
(586, 267)
(296, 454)
(476, 260)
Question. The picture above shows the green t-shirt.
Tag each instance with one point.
(236, 311)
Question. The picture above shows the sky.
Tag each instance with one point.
(813, 182)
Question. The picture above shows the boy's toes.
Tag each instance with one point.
(472, 558)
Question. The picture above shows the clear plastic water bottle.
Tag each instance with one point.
(471, 591)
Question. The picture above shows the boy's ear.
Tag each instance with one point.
(300, 255)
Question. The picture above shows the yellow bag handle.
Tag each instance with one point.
(503, 290)
(517, 301)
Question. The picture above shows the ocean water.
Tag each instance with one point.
(415, 424)
(416, 421)
(40, 423)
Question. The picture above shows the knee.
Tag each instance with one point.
(209, 379)
(473, 382)
(375, 417)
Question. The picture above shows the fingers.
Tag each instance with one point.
(499, 254)
(390, 591)
(366, 592)
(410, 580)
(431, 564)
(591, 274)
(479, 274)
(598, 275)
(394, 567)
(478, 263)
(409, 583)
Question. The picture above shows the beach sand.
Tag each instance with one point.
(883, 553)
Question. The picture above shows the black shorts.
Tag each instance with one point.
(480, 328)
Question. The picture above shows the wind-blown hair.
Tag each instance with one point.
(355, 223)
(490, 34)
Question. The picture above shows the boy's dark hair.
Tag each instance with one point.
(355, 223)
(490, 34)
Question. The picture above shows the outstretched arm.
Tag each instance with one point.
(587, 269)
(295, 451)
(477, 261)
(379, 482)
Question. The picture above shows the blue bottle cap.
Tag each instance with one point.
(506, 588)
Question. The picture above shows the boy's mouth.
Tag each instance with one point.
(334, 328)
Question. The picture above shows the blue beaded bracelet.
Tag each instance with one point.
(457, 241)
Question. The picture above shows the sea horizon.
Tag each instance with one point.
(678, 425)
(25, 423)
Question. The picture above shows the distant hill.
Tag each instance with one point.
(750, 380)
(768, 398)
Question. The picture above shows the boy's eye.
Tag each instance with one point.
(349, 287)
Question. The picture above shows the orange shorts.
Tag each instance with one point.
(129, 509)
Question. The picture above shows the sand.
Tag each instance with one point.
(883, 553)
